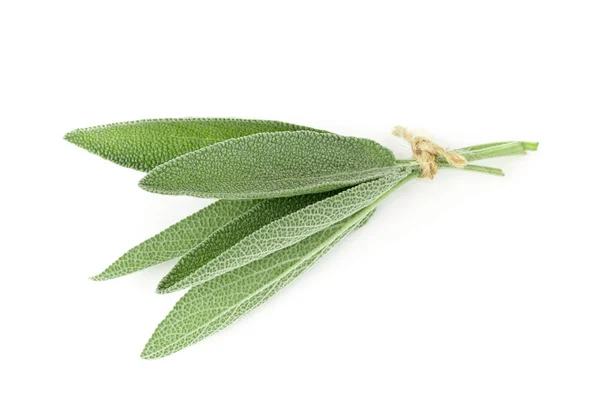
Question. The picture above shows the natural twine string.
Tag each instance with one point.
(425, 152)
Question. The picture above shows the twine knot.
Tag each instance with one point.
(425, 151)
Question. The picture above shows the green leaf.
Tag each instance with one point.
(263, 213)
(271, 164)
(289, 230)
(212, 306)
(145, 144)
(178, 239)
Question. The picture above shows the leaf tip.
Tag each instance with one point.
(164, 289)
(152, 350)
(98, 278)
(73, 137)
(167, 285)
(146, 183)
(147, 354)
(161, 288)
(103, 276)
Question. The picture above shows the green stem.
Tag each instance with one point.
(481, 152)
(475, 168)
(498, 149)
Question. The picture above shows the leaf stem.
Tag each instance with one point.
(475, 168)
(498, 149)
(481, 152)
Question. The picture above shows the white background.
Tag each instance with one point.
(468, 287)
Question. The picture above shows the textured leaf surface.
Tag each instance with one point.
(178, 239)
(214, 305)
(293, 228)
(145, 144)
(272, 165)
(263, 213)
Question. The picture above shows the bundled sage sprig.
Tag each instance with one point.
(286, 195)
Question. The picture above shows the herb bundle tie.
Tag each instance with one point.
(286, 194)
(425, 151)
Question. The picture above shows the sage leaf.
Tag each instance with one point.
(291, 229)
(274, 164)
(177, 239)
(145, 144)
(212, 306)
(263, 213)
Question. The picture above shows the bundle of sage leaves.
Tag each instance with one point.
(286, 195)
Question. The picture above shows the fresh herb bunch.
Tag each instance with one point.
(287, 194)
